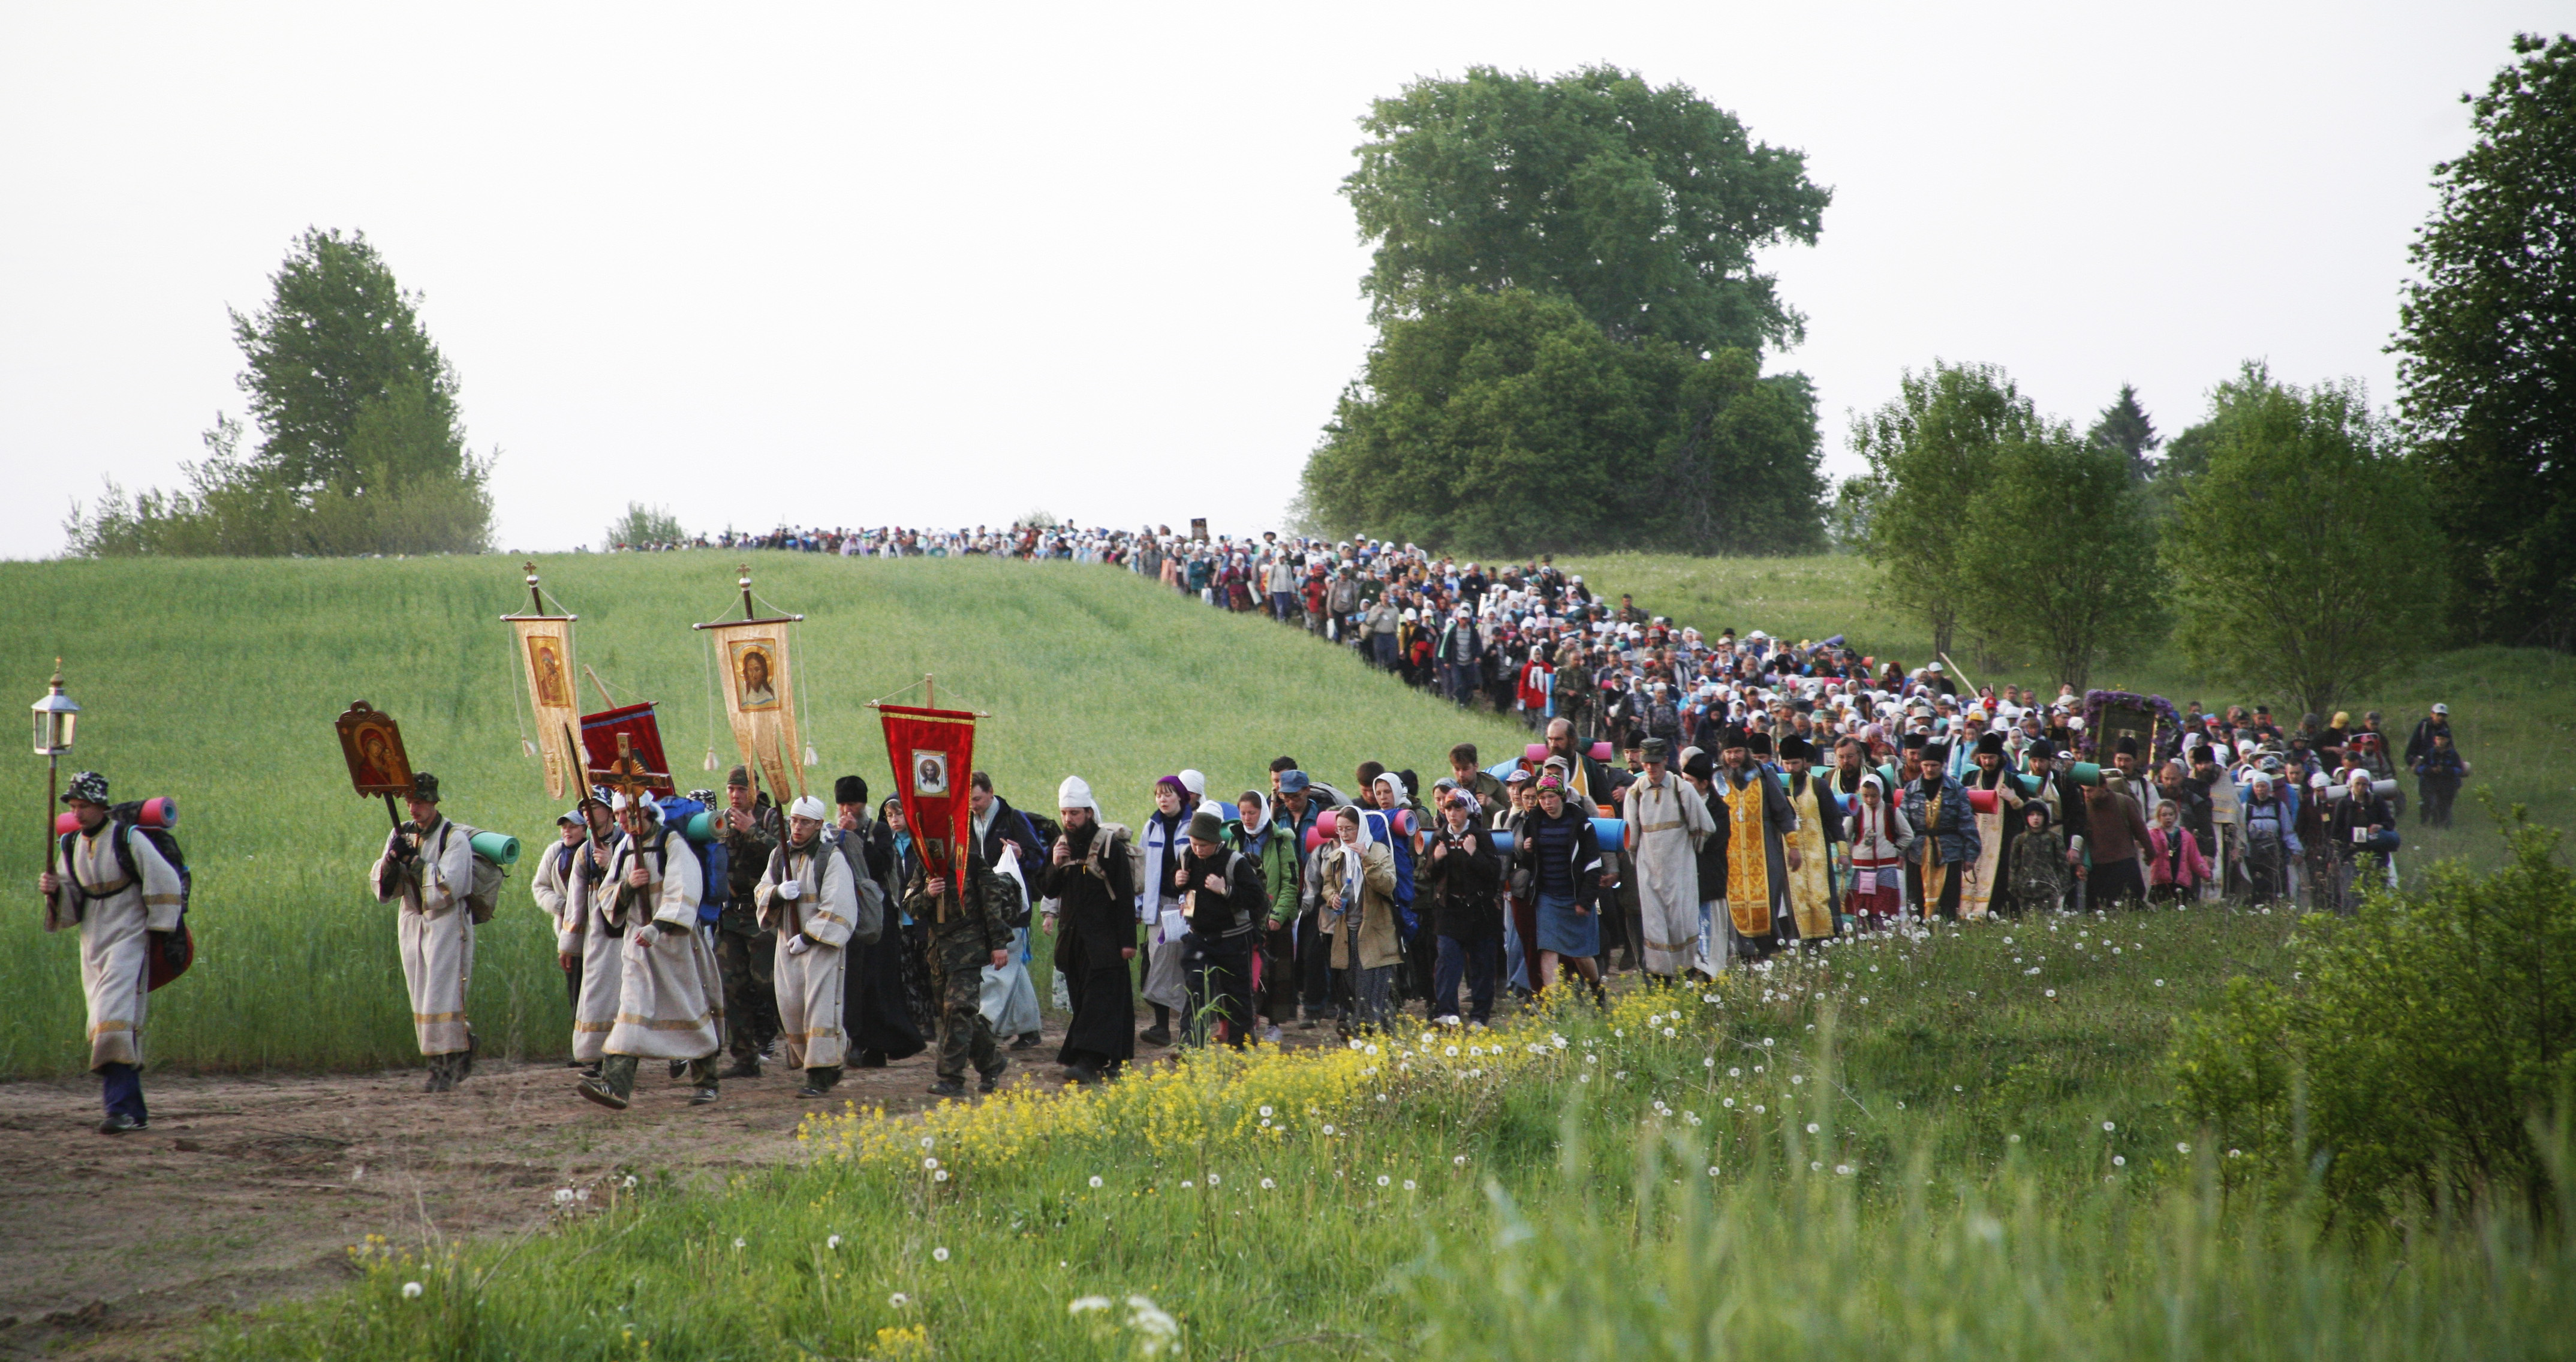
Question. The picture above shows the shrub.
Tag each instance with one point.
(2419, 1044)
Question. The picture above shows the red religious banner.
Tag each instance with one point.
(599, 734)
(933, 755)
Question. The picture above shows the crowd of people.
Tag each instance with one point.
(1691, 803)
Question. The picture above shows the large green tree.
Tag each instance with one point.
(1508, 422)
(1642, 204)
(2057, 551)
(1928, 451)
(2486, 347)
(2300, 552)
(361, 448)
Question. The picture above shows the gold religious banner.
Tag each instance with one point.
(544, 650)
(758, 689)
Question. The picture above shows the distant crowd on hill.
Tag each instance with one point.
(1755, 794)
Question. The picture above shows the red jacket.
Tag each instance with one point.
(2162, 863)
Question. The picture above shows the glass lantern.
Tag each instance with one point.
(55, 717)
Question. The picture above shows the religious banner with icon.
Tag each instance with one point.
(760, 699)
(544, 648)
(759, 692)
(932, 752)
(545, 654)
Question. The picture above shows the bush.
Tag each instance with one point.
(2421, 1041)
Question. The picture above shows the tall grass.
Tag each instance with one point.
(1736, 1172)
(217, 682)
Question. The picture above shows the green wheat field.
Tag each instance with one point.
(1902, 1149)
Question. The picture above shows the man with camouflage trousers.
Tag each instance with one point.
(968, 931)
(746, 956)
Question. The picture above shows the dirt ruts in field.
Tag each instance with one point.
(250, 1189)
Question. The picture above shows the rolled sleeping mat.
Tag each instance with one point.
(500, 848)
(1611, 833)
(160, 812)
(2386, 842)
(1983, 801)
(701, 827)
(2085, 773)
(1536, 752)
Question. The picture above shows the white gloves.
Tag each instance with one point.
(790, 889)
(798, 944)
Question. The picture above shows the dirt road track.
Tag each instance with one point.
(250, 1189)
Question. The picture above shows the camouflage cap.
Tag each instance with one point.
(424, 786)
(87, 786)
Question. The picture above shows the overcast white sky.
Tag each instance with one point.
(931, 265)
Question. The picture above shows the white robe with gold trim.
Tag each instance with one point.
(434, 931)
(112, 930)
(825, 910)
(670, 1001)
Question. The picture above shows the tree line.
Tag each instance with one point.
(1570, 340)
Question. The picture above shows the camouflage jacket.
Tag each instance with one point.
(747, 858)
(965, 928)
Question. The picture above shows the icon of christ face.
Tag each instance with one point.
(753, 690)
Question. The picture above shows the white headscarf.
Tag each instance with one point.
(1075, 793)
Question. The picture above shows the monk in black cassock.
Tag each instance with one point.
(1095, 936)
(876, 1013)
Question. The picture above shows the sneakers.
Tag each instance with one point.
(679, 1067)
(948, 1088)
(1155, 1035)
(1271, 1035)
(703, 1096)
(587, 1070)
(993, 1078)
(742, 1068)
(1027, 1041)
(438, 1079)
(601, 1093)
(118, 1123)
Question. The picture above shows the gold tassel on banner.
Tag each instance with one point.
(546, 659)
(756, 674)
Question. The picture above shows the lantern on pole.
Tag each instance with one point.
(56, 715)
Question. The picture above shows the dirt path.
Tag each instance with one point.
(247, 1190)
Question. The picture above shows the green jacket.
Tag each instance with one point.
(1278, 861)
(977, 923)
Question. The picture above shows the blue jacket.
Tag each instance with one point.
(1956, 832)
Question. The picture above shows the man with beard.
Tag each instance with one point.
(878, 1022)
(670, 997)
(1945, 834)
(1088, 876)
(1758, 856)
(1587, 782)
(1812, 891)
(1986, 888)
(1667, 822)
(808, 900)
(590, 936)
(750, 829)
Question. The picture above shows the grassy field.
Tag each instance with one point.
(217, 682)
(1907, 1149)
(2514, 709)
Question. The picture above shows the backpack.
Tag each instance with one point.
(1382, 828)
(1126, 839)
(484, 898)
(715, 864)
(869, 927)
(180, 951)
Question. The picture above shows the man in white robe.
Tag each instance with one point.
(123, 916)
(551, 886)
(596, 932)
(1667, 821)
(670, 998)
(428, 865)
(809, 900)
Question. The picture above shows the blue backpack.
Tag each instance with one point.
(1381, 827)
(715, 864)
